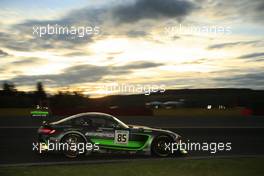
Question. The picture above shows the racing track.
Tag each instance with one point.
(245, 134)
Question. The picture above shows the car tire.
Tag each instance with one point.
(158, 147)
(73, 140)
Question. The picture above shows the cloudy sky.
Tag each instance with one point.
(179, 44)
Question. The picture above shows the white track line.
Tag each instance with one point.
(128, 160)
(218, 127)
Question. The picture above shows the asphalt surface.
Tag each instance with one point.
(244, 133)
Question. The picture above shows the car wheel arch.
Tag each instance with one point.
(73, 132)
(167, 135)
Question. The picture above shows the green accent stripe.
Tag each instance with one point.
(39, 112)
(110, 142)
(132, 145)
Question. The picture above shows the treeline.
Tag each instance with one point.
(11, 97)
(229, 97)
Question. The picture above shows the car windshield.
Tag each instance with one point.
(122, 124)
(65, 119)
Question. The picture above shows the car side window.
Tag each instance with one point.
(110, 123)
(98, 122)
(94, 121)
(78, 121)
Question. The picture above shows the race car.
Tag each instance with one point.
(103, 133)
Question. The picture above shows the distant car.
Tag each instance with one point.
(172, 104)
(40, 111)
(166, 105)
(154, 104)
(108, 133)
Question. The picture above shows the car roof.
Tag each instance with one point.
(92, 113)
(89, 114)
(84, 114)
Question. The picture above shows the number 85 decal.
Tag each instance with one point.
(121, 137)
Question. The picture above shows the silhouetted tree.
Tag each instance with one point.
(40, 88)
(40, 93)
(9, 88)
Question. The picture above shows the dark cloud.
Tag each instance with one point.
(24, 43)
(242, 10)
(16, 41)
(77, 53)
(72, 75)
(223, 45)
(77, 19)
(28, 61)
(140, 65)
(134, 33)
(81, 74)
(175, 37)
(34, 42)
(198, 61)
(217, 80)
(3, 54)
(260, 6)
(257, 10)
(232, 44)
(154, 9)
(105, 18)
(250, 80)
(251, 55)
(4, 36)
(112, 55)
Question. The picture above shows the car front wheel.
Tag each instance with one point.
(159, 144)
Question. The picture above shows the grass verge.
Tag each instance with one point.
(201, 167)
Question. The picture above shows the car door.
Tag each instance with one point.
(104, 135)
(123, 138)
(108, 134)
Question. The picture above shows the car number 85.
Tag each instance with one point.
(121, 137)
